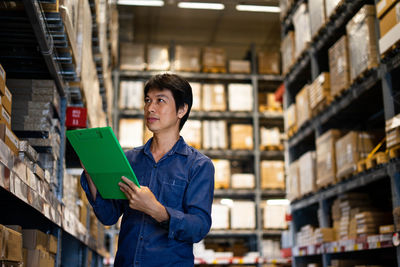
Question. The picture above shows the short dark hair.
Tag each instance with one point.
(179, 87)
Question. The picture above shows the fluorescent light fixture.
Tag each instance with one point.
(278, 202)
(253, 8)
(197, 5)
(227, 202)
(141, 2)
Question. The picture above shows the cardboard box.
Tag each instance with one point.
(390, 19)
(319, 92)
(270, 137)
(38, 257)
(363, 48)
(5, 117)
(6, 100)
(187, 58)
(191, 132)
(269, 62)
(323, 235)
(330, 6)
(241, 136)
(34, 239)
(303, 106)
(215, 134)
(131, 95)
(317, 15)
(393, 131)
(12, 245)
(52, 244)
(197, 96)
(293, 181)
(219, 216)
(130, 133)
(386, 229)
(222, 173)
(383, 6)
(9, 138)
(243, 181)
(214, 57)
(307, 173)
(158, 57)
(350, 149)
(290, 117)
(339, 67)
(240, 97)
(267, 102)
(390, 38)
(272, 174)
(302, 29)
(2, 80)
(275, 216)
(243, 215)
(288, 52)
(132, 56)
(239, 66)
(214, 97)
(326, 157)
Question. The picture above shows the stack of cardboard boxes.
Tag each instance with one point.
(388, 15)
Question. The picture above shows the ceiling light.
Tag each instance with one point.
(273, 9)
(141, 2)
(197, 5)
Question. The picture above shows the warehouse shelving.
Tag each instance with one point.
(374, 90)
(255, 118)
(33, 46)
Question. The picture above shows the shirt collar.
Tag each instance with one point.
(180, 147)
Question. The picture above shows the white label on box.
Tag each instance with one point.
(5, 115)
(381, 5)
(12, 138)
(8, 94)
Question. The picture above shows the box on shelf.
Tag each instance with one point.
(132, 56)
(293, 181)
(307, 173)
(157, 57)
(272, 174)
(275, 216)
(12, 246)
(243, 181)
(303, 106)
(214, 59)
(269, 62)
(2, 80)
(222, 173)
(288, 52)
(197, 96)
(239, 66)
(5, 117)
(339, 67)
(240, 97)
(363, 48)
(291, 118)
(220, 216)
(214, 97)
(391, 38)
(351, 148)
(267, 102)
(331, 6)
(9, 138)
(191, 132)
(34, 239)
(187, 58)
(38, 257)
(317, 15)
(243, 215)
(215, 134)
(302, 29)
(6, 100)
(390, 19)
(130, 133)
(319, 93)
(326, 157)
(131, 95)
(241, 136)
(386, 229)
(270, 138)
(323, 235)
(383, 6)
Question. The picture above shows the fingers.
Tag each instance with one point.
(129, 183)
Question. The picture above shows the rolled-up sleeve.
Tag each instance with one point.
(107, 211)
(194, 223)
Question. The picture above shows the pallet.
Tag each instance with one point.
(336, 11)
(369, 163)
(394, 49)
(270, 109)
(340, 93)
(272, 147)
(394, 152)
(363, 74)
(347, 174)
(214, 69)
(326, 184)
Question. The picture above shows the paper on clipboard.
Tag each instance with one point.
(103, 158)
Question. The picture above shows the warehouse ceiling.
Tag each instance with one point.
(234, 30)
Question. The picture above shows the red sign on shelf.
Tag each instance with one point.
(76, 117)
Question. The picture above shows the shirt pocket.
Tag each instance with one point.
(172, 192)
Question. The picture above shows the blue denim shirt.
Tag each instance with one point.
(182, 181)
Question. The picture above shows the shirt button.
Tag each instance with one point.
(141, 237)
(154, 166)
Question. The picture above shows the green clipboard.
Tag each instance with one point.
(103, 158)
